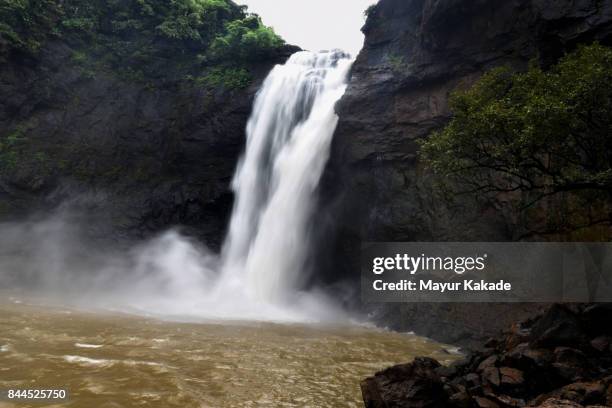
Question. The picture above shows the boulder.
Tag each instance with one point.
(491, 376)
(537, 373)
(571, 364)
(488, 362)
(526, 357)
(460, 399)
(597, 318)
(406, 386)
(557, 327)
(559, 403)
(482, 402)
(601, 343)
(511, 376)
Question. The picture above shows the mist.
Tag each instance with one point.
(54, 260)
(264, 266)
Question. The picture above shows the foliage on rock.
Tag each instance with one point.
(140, 38)
(535, 134)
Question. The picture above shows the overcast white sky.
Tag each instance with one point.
(315, 24)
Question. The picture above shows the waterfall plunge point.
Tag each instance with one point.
(263, 261)
(288, 141)
(262, 268)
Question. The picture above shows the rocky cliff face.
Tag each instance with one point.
(416, 53)
(138, 155)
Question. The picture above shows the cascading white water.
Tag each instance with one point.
(263, 259)
(288, 141)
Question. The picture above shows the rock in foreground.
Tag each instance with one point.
(562, 358)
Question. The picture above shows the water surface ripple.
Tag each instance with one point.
(124, 361)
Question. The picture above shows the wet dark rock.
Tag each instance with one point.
(488, 362)
(416, 53)
(446, 371)
(139, 156)
(570, 356)
(540, 357)
(601, 343)
(533, 373)
(491, 343)
(530, 360)
(517, 335)
(482, 402)
(598, 315)
(585, 393)
(511, 376)
(473, 379)
(507, 401)
(491, 376)
(408, 385)
(461, 399)
(558, 327)
(558, 403)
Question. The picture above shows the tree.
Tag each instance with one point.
(245, 39)
(212, 41)
(533, 135)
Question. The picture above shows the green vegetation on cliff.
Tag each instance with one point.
(534, 135)
(124, 95)
(141, 38)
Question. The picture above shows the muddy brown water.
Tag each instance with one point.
(109, 360)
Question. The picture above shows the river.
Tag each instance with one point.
(117, 360)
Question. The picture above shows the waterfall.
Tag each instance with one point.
(288, 141)
(262, 265)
